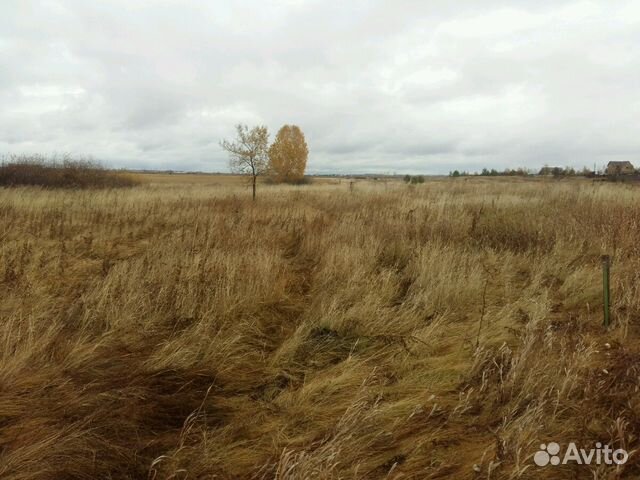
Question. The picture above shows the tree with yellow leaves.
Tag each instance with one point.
(288, 155)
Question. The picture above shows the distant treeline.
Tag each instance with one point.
(413, 179)
(525, 172)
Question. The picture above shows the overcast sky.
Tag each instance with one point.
(418, 86)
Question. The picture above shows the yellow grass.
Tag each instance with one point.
(210, 180)
(179, 330)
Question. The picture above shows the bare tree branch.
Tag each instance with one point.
(248, 152)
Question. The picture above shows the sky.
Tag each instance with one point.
(378, 86)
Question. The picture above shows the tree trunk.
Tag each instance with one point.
(254, 188)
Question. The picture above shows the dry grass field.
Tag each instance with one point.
(190, 179)
(444, 330)
(181, 180)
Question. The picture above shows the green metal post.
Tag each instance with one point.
(606, 263)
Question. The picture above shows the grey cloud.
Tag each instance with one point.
(376, 85)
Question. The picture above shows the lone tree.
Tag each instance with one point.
(249, 152)
(288, 154)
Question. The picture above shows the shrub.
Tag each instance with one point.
(46, 172)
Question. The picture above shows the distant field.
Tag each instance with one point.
(206, 179)
(388, 331)
(190, 179)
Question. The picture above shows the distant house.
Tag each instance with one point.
(620, 168)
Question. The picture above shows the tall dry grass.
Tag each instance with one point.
(436, 331)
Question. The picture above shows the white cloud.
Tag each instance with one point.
(378, 85)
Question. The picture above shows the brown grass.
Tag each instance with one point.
(66, 173)
(319, 333)
(216, 180)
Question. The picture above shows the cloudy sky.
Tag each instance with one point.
(420, 86)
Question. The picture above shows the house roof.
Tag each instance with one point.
(620, 164)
